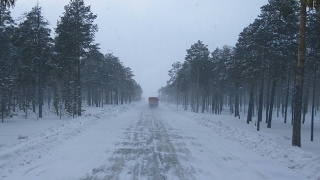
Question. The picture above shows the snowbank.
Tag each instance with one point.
(271, 143)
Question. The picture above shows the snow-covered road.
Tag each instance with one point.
(136, 143)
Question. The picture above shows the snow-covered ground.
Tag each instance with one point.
(136, 142)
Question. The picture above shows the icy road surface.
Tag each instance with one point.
(136, 143)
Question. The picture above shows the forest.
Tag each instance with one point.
(259, 74)
(62, 72)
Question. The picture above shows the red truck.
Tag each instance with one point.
(153, 101)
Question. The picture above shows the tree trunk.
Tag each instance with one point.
(231, 102)
(55, 95)
(2, 103)
(244, 101)
(287, 97)
(296, 131)
(107, 97)
(236, 102)
(89, 95)
(279, 99)
(96, 96)
(267, 98)
(313, 99)
(185, 101)
(177, 96)
(121, 98)
(273, 90)
(40, 89)
(306, 102)
(79, 87)
(116, 99)
(260, 99)
(15, 101)
(102, 96)
(34, 97)
(203, 103)
(111, 96)
(197, 92)
(218, 97)
(250, 108)
(75, 99)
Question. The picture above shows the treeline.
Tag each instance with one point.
(63, 71)
(257, 74)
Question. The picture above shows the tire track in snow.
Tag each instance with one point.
(148, 151)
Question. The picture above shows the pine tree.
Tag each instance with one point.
(75, 36)
(94, 70)
(198, 57)
(280, 24)
(7, 56)
(35, 44)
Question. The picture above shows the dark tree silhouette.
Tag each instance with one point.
(8, 3)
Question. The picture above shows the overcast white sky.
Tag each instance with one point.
(150, 35)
